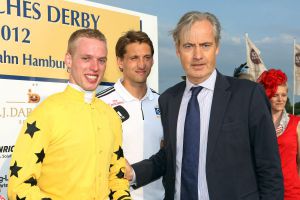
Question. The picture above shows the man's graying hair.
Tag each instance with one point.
(188, 19)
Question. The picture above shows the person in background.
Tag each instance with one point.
(219, 138)
(242, 72)
(70, 145)
(287, 130)
(137, 105)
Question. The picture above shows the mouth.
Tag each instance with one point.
(91, 77)
(198, 65)
(141, 72)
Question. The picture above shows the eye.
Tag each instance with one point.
(206, 45)
(102, 61)
(187, 46)
(133, 58)
(85, 58)
(148, 58)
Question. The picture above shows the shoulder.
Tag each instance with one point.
(105, 108)
(235, 82)
(295, 118)
(239, 86)
(242, 93)
(53, 100)
(154, 92)
(179, 87)
(49, 106)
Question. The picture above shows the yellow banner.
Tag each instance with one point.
(34, 35)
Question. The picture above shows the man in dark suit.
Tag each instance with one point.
(231, 151)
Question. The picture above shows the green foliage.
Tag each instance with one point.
(297, 108)
(289, 107)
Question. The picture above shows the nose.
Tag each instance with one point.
(94, 65)
(141, 63)
(197, 52)
(280, 98)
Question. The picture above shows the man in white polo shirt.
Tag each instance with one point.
(137, 105)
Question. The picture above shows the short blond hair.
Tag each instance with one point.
(88, 33)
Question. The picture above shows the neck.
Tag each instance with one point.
(88, 95)
(276, 115)
(138, 90)
(77, 87)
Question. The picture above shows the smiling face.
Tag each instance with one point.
(87, 63)
(279, 99)
(197, 51)
(136, 63)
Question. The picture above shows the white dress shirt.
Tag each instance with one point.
(205, 100)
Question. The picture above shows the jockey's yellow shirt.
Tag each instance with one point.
(67, 150)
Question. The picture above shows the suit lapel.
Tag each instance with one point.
(173, 117)
(221, 98)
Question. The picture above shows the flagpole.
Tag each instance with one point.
(294, 77)
(248, 64)
(246, 41)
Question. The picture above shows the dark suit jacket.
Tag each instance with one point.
(242, 154)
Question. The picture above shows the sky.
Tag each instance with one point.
(272, 25)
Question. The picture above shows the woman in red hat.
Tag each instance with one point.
(287, 128)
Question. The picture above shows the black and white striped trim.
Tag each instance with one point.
(105, 92)
(153, 91)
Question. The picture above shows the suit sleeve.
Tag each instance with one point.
(265, 147)
(150, 169)
(27, 158)
(118, 185)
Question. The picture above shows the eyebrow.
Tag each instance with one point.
(203, 43)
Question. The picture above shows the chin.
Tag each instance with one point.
(279, 109)
(90, 88)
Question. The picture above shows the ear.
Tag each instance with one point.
(120, 63)
(68, 60)
(217, 50)
(177, 50)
